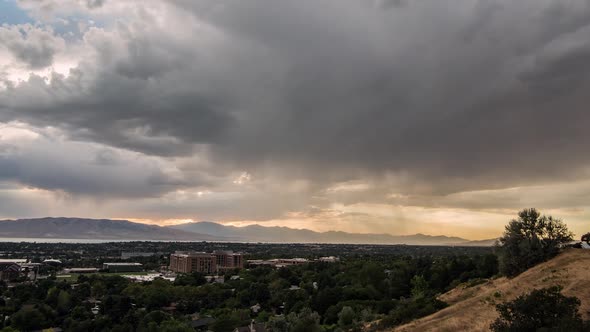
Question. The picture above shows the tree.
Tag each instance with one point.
(64, 302)
(529, 240)
(545, 309)
(28, 319)
(346, 317)
(175, 326)
(9, 329)
(305, 321)
(419, 286)
(192, 279)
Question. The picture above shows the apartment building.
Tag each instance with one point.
(190, 261)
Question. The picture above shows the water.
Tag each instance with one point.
(55, 240)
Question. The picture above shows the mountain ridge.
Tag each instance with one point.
(86, 228)
(258, 233)
(109, 229)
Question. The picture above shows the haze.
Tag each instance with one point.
(369, 116)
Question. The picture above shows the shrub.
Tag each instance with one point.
(542, 309)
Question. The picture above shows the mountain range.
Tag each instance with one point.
(257, 233)
(107, 229)
(104, 229)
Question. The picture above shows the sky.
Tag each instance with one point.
(369, 116)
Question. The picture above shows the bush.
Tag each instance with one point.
(529, 240)
(542, 309)
(410, 309)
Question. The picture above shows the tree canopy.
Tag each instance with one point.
(529, 240)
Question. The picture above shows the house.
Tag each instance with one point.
(329, 259)
(9, 271)
(253, 327)
(202, 322)
(256, 308)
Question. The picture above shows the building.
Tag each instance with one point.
(191, 261)
(329, 259)
(81, 270)
(122, 267)
(9, 271)
(52, 262)
(131, 254)
(278, 262)
(202, 323)
(228, 260)
(14, 260)
(253, 327)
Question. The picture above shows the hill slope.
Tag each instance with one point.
(79, 228)
(256, 233)
(473, 309)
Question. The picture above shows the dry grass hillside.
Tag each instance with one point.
(473, 308)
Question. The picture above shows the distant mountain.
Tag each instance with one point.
(480, 243)
(256, 233)
(104, 229)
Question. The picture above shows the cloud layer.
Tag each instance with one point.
(325, 105)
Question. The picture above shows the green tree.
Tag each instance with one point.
(542, 309)
(64, 302)
(9, 329)
(529, 240)
(175, 326)
(192, 279)
(419, 286)
(346, 317)
(28, 319)
(305, 321)
(278, 324)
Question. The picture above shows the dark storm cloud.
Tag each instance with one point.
(461, 94)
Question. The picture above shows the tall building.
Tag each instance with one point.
(190, 261)
(228, 260)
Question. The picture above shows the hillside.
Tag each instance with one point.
(473, 309)
(79, 228)
(257, 233)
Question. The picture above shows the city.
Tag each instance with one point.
(216, 286)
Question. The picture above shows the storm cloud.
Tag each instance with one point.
(421, 98)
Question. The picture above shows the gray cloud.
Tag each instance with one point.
(443, 97)
(95, 3)
(32, 45)
(87, 170)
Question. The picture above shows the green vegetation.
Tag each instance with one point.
(389, 287)
(541, 310)
(530, 240)
(370, 287)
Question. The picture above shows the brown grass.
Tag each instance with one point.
(473, 309)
